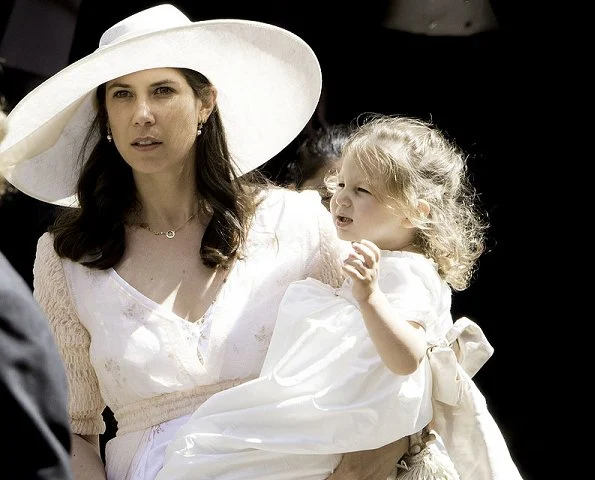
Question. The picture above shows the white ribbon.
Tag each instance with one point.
(461, 417)
(464, 346)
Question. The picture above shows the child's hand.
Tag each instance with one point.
(362, 266)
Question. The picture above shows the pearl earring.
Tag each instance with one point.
(199, 129)
(109, 134)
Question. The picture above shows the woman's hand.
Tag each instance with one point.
(371, 464)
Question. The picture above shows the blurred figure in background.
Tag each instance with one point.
(33, 386)
(318, 154)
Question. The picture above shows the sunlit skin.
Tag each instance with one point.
(154, 116)
(358, 214)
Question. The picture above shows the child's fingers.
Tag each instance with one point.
(354, 272)
(368, 251)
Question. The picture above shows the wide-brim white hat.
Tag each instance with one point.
(268, 81)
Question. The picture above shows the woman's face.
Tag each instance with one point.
(154, 116)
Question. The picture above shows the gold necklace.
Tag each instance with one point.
(169, 233)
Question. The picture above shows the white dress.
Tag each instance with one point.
(154, 368)
(323, 389)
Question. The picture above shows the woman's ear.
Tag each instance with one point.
(208, 100)
(423, 208)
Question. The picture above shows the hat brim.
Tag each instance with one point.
(268, 81)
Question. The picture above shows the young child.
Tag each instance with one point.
(378, 359)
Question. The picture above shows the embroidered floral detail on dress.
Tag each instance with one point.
(262, 335)
(263, 338)
(129, 310)
(113, 368)
(134, 312)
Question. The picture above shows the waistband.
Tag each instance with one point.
(152, 411)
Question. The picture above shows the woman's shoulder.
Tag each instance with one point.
(46, 240)
(45, 246)
(275, 195)
(287, 203)
(46, 258)
(299, 215)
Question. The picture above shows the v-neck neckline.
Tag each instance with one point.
(153, 305)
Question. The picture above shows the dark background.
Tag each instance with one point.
(476, 88)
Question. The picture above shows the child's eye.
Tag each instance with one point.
(340, 185)
(360, 189)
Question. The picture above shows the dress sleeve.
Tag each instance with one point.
(413, 287)
(50, 289)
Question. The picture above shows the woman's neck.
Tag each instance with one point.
(164, 204)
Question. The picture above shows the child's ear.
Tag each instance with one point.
(424, 210)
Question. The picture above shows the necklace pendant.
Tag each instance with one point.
(170, 234)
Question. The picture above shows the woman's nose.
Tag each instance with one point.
(143, 114)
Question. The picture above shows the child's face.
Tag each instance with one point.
(359, 215)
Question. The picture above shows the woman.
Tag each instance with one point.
(163, 276)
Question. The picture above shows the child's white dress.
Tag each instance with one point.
(323, 389)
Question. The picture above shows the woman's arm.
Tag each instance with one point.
(86, 459)
(50, 289)
(371, 464)
(85, 404)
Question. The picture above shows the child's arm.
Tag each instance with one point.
(400, 343)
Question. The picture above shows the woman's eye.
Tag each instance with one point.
(121, 94)
(163, 90)
(360, 189)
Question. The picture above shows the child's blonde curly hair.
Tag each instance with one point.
(408, 160)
